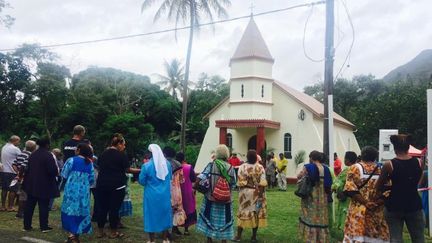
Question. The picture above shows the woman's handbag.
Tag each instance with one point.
(203, 185)
(304, 187)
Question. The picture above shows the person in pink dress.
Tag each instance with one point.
(188, 194)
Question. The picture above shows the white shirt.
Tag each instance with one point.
(9, 153)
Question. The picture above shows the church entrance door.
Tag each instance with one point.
(252, 143)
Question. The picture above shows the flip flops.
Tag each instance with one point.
(116, 235)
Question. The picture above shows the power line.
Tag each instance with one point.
(352, 42)
(304, 38)
(311, 4)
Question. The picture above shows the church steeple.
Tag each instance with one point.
(251, 82)
(252, 45)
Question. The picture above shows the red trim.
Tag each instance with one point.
(222, 135)
(291, 181)
(248, 123)
(260, 140)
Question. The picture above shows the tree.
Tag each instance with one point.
(191, 11)
(14, 84)
(5, 19)
(210, 91)
(213, 83)
(50, 90)
(173, 78)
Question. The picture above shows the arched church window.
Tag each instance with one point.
(229, 140)
(288, 145)
(262, 91)
(242, 90)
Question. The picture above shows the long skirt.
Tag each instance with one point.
(313, 225)
(215, 220)
(76, 224)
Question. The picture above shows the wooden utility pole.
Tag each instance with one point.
(328, 82)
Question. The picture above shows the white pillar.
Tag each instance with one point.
(331, 147)
(331, 131)
(429, 153)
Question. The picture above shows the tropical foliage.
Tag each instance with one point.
(188, 11)
(373, 104)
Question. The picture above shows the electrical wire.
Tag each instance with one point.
(352, 42)
(311, 4)
(304, 38)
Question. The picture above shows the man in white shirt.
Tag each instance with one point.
(9, 153)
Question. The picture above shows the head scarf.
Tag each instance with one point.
(160, 161)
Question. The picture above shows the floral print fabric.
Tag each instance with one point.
(75, 207)
(313, 225)
(250, 214)
(363, 225)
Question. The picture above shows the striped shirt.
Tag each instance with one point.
(21, 160)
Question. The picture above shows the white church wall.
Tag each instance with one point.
(249, 67)
(211, 138)
(251, 111)
(254, 89)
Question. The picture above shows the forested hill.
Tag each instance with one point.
(418, 68)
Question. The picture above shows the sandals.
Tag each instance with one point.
(116, 235)
(72, 239)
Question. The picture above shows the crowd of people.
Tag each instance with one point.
(374, 199)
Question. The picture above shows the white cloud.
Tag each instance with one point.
(388, 34)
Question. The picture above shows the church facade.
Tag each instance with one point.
(264, 114)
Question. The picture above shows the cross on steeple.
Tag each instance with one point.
(252, 6)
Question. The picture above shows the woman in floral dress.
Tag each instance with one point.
(252, 212)
(365, 220)
(75, 210)
(179, 215)
(314, 220)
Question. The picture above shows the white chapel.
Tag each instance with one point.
(265, 114)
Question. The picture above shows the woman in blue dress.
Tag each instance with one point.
(155, 176)
(75, 210)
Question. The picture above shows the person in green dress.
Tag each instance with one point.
(338, 187)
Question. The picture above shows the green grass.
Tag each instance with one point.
(283, 210)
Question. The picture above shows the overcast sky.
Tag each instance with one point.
(388, 33)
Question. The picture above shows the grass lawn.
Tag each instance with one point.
(283, 213)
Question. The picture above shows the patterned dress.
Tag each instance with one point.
(179, 215)
(75, 209)
(363, 225)
(250, 213)
(342, 206)
(314, 220)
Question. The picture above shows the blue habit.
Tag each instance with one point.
(75, 209)
(157, 198)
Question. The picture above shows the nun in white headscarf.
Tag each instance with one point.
(155, 176)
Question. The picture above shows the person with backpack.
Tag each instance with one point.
(215, 219)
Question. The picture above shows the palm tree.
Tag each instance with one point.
(192, 11)
(174, 76)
